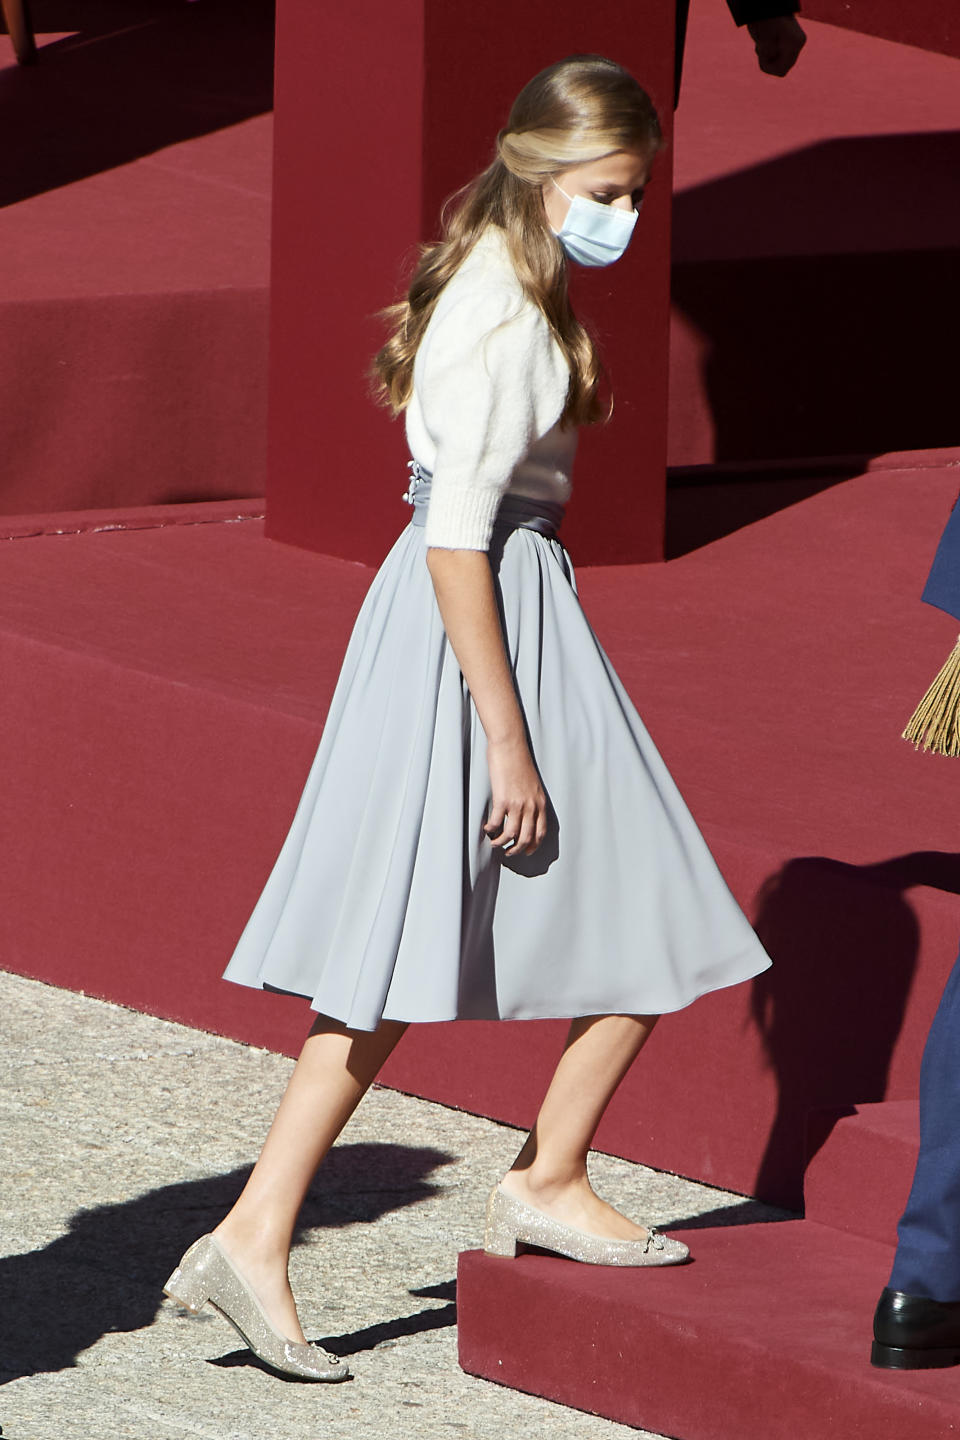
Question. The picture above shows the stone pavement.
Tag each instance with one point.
(125, 1137)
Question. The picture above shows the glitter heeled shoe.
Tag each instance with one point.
(512, 1222)
(206, 1276)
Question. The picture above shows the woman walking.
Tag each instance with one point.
(487, 831)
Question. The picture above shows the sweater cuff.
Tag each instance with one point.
(461, 519)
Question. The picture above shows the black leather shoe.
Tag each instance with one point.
(914, 1333)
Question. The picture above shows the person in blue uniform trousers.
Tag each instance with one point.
(917, 1320)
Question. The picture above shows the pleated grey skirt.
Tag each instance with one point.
(387, 900)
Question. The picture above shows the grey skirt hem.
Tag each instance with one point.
(740, 971)
(388, 900)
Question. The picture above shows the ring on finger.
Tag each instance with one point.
(507, 843)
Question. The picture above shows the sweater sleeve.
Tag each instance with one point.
(493, 380)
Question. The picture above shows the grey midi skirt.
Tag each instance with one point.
(387, 900)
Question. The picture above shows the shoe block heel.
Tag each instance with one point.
(499, 1236)
(896, 1357)
(183, 1290)
(500, 1242)
(188, 1285)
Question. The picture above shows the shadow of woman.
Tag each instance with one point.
(105, 1273)
(844, 941)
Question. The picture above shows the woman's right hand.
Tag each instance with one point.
(518, 809)
(468, 605)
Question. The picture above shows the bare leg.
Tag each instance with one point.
(551, 1170)
(334, 1071)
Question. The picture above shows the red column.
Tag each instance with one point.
(381, 112)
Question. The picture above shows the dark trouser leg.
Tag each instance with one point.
(928, 1254)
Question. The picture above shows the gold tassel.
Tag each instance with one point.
(935, 724)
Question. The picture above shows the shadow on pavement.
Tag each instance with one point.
(438, 1318)
(372, 1335)
(106, 1272)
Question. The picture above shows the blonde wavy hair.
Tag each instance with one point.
(577, 111)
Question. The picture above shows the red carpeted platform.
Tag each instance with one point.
(813, 249)
(859, 1181)
(134, 220)
(162, 690)
(766, 1333)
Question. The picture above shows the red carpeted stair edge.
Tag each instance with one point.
(142, 517)
(766, 1334)
(935, 458)
(877, 1141)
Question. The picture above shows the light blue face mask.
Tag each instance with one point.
(594, 234)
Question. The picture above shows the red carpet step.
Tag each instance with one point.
(765, 1335)
(859, 1181)
(135, 216)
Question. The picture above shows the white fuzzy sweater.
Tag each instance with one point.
(489, 386)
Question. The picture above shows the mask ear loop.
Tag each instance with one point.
(569, 200)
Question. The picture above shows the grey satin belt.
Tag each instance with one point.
(517, 512)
